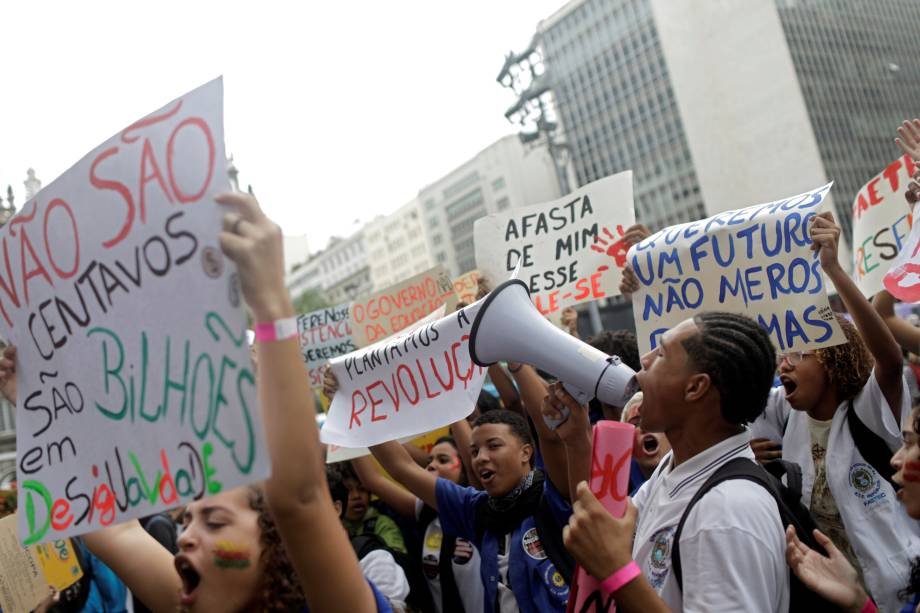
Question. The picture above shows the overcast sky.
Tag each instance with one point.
(335, 111)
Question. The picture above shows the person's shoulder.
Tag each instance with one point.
(740, 505)
(448, 489)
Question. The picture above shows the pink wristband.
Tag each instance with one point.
(620, 577)
(869, 606)
(278, 330)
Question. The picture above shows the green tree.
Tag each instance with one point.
(310, 300)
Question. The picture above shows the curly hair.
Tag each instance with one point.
(621, 343)
(849, 365)
(740, 360)
(280, 588)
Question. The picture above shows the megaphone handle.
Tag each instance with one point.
(579, 396)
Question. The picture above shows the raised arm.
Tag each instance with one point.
(575, 434)
(505, 386)
(397, 461)
(297, 492)
(907, 335)
(397, 498)
(533, 391)
(463, 436)
(825, 235)
(143, 565)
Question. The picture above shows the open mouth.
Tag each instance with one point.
(650, 444)
(189, 576)
(789, 385)
(486, 476)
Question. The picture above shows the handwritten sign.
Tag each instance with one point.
(757, 261)
(571, 250)
(881, 223)
(416, 381)
(335, 453)
(466, 286)
(59, 563)
(611, 452)
(399, 306)
(137, 392)
(324, 334)
(22, 584)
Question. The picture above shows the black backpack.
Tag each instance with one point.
(792, 512)
(870, 445)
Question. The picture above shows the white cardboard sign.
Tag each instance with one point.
(411, 383)
(135, 386)
(756, 261)
(881, 224)
(571, 250)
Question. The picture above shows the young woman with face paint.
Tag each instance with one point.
(852, 503)
(832, 576)
(259, 548)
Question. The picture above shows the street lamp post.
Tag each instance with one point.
(526, 75)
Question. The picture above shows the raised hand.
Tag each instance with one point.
(909, 138)
(825, 237)
(831, 576)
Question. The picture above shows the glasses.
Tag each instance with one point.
(793, 357)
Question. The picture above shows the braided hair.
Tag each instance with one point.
(740, 360)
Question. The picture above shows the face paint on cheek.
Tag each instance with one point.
(231, 555)
(911, 471)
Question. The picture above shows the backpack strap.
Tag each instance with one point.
(370, 525)
(791, 471)
(551, 538)
(870, 446)
(737, 468)
(450, 593)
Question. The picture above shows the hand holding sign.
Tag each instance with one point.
(825, 236)
(254, 243)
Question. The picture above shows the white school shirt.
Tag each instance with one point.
(465, 565)
(380, 568)
(882, 535)
(732, 548)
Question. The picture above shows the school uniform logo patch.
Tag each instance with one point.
(866, 484)
(532, 545)
(659, 560)
(555, 583)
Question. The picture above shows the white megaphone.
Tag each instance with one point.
(509, 327)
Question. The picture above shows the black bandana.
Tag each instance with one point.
(502, 515)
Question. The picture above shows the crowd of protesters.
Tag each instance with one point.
(496, 516)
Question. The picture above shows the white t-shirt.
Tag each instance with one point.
(507, 603)
(732, 547)
(380, 568)
(465, 564)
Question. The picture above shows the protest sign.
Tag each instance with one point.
(22, 584)
(418, 380)
(756, 261)
(335, 453)
(881, 222)
(138, 393)
(903, 278)
(466, 286)
(399, 306)
(571, 250)
(59, 563)
(324, 334)
(611, 453)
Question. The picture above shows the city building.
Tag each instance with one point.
(340, 271)
(717, 105)
(396, 246)
(504, 175)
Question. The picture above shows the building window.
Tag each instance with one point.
(429, 204)
(503, 203)
(432, 222)
(467, 203)
(441, 257)
(462, 185)
(498, 183)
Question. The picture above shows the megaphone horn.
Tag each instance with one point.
(509, 327)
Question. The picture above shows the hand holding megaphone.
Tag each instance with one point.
(570, 417)
(509, 327)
